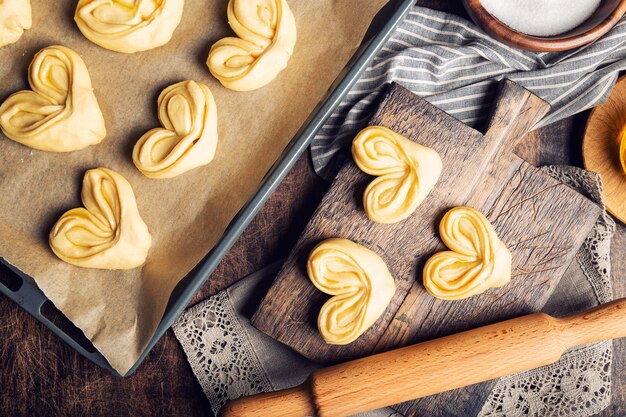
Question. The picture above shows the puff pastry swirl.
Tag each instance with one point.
(15, 17)
(61, 113)
(406, 171)
(266, 31)
(188, 138)
(128, 26)
(108, 233)
(359, 282)
(478, 259)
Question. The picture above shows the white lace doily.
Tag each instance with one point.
(219, 352)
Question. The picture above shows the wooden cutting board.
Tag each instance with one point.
(542, 222)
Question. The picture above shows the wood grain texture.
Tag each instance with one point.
(437, 365)
(541, 220)
(284, 403)
(340, 215)
(601, 147)
(600, 22)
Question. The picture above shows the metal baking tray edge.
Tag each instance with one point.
(31, 298)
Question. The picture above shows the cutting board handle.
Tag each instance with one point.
(437, 365)
(607, 321)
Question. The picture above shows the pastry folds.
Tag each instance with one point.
(266, 31)
(406, 172)
(61, 114)
(359, 282)
(108, 233)
(188, 138)
(477, 261)
(128, 25)
(15, 16)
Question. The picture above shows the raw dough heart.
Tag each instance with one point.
(266, 31)
(406, 173)
(188, 113)
(108, 233)
(477, 261)
(128, 25)
(15, 16)
(61, 114)
(359, 282)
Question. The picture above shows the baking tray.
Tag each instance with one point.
(28, 295)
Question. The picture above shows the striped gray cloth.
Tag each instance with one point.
(454, 65)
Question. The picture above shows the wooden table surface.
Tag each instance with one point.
(41, 376)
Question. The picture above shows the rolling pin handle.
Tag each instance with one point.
(607, 321)
(293, 402)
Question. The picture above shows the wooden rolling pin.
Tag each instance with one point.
(438, 365)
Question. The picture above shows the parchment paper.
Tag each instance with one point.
(120, 310)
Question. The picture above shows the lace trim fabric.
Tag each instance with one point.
(579, 384)
(594, 255)
(219, 352)
(224, 360)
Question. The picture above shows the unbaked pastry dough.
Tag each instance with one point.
(359, 282)
(15, 17)
(406, 171)
(128, 25)
(266, 31)
(477, 261)
(108, 233)
(189, 137)
(61, 114)
(622, 148)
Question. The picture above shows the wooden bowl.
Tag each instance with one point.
(600, 22)
(601, 148)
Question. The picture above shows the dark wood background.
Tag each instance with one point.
(41, 376)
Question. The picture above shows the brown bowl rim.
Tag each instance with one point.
(509, 36)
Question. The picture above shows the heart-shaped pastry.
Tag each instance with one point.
(189, 137)
(266, 31)
(478, 259)
(128, 25)
(108, 233)
(61, 114)
(406, 173)
(15, 16)
(359, 282)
